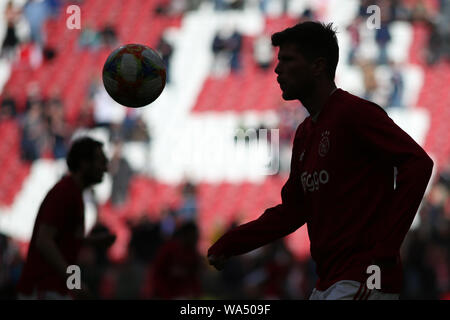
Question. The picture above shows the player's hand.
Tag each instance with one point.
(217, 261)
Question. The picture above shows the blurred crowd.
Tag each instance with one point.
(25, 41)
(389, 90)
(391, 93)
(163, 260)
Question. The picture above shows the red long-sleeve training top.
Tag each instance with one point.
(342, 185)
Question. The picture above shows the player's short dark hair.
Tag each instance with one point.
(314, 40)
(81, 149)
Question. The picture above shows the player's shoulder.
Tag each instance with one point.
(354, 106)
(64, 188)
(301, 128)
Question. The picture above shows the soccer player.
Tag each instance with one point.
(59, 227)
(356, 178)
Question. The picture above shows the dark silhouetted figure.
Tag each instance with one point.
(356, 179)
(59, 228)
(176, 270)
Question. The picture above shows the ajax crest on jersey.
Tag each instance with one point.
(134, 75)
(324, 145)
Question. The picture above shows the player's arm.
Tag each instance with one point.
(47, 246)
(380, 134)
(274, 223)
(102, 239)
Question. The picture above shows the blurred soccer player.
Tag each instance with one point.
(356, 178)
(59, 228)
(175, 273)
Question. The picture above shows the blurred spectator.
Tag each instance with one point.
(130, 277)
(168, 222)
(58, 129)
(162, 8)
(55, 98)
(89, 38)
(419, 279)
(266, 6)
(355, 39)
(135, 129)
(298, 284)
(10, 42)
(444, 176)
(419, 11)
(370, 82)
(165, 49)
(220, 5)
(439, 40)
(107, 112)
(178, 7)
(232, 278)
(226, 48)
(33, 95)
(94, 263)
(193, 5)
(188, 208)
(10, 267)
(278, 266)
(85, 117)
(177, 268)
(382, 37)
(34, 138)
(54, 7)
(234, 46)
(263, 5)
(8, 107)
(363, 5)
(427, 249)
(219, 49)
(36, 12)
(236, 4)
(263, 51)
(30, 55)
(121, 174)
(145, 239)
(109, 35)
(49, 53)
(91, 269)
(398, 12)
(397, 86)
(307, 15)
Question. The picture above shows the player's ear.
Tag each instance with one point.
(319, 66)
(84, 164)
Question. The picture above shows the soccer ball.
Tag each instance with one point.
(134, 75)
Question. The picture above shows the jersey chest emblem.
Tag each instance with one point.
(301, 156)
(324, 145)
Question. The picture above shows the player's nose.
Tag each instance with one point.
(106, 165)
(277, 69)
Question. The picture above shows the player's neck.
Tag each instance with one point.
(315, 102)
(77, 177)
